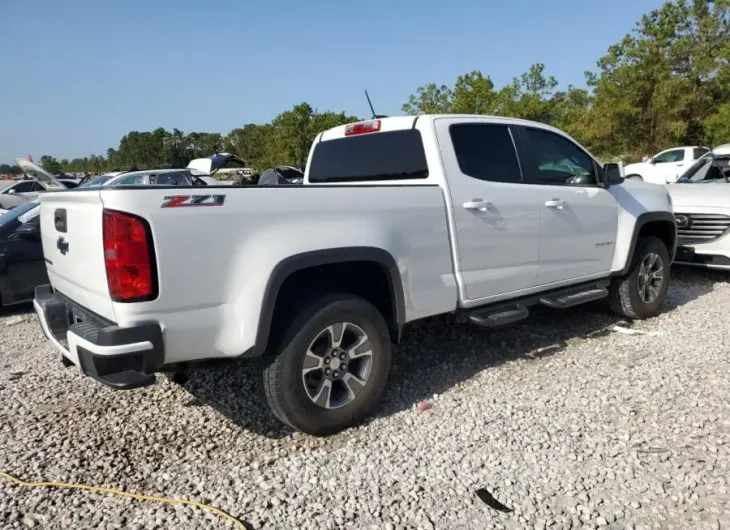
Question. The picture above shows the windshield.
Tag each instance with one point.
(709, 168)
(12, 215)
(96, 181)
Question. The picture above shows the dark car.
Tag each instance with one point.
(22, 266)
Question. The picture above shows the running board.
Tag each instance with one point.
(570, 300)
(500, 317)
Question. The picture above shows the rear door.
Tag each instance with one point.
(72, 235)
(578, 217)
(496, 216)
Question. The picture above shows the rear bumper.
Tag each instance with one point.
(119, 357)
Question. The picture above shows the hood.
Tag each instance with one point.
(38, 173)
(215, 162)
(713, 194)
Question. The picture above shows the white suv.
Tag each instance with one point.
(701, 199)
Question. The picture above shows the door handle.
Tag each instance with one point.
(680, 165)
(555, 203)
(477, 204)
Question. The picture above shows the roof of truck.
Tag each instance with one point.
(394, 123)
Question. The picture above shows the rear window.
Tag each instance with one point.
(394, 155)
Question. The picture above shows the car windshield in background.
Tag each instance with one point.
(176, 178)
(15, 213)
(96, 181)
(394, 155)
(709, 168)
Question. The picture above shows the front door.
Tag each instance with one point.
(579, 218)
(496, 217)
(667, 166)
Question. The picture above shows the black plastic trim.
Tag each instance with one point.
(315, 258)
(153, 260)
(123, 371)
(688, 256)
(59, 220)
(534, 299)
(641, 221)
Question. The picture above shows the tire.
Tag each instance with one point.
(624, 297)
(291, 394)
(634, 176)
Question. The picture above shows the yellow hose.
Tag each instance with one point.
(138, 496)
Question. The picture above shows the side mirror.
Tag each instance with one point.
(612, 174)
(29, 231)
(652, 160)
(11, 191)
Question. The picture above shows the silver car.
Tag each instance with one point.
(20, 192)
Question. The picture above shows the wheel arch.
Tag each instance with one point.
(658, 224)
(336, 260)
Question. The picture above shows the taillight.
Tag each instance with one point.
(362, 128)
(129, 258)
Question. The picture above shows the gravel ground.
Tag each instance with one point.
(565, 423)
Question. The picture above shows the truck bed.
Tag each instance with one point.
(221, 244)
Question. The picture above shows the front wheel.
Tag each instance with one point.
(641, 293)
(331, 365)
(634, 177)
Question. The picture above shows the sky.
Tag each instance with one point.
(79, 74)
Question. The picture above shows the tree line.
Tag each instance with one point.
(665, 83)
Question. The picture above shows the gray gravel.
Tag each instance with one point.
(567, 424)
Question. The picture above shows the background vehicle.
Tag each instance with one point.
(398, 219)
(281, 175)
(22, 267)
(39, 181)
(701, 199)
(665, 167)
(148, 177)
(222, 164)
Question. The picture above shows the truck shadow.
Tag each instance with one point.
(437, 354)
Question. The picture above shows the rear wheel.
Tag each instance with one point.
(642, 292)
(331, 365)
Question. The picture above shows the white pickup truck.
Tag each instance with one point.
(398, 219)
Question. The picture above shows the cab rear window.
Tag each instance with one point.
(393, 155)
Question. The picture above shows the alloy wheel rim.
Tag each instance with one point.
(651, 277)
(337, 365)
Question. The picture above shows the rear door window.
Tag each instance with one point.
(392, 155)
(486, 152)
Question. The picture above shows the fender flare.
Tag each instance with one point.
(641, 221)
(305, 260)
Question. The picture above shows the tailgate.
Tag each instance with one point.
(71, 230)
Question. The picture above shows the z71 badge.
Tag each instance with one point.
(179, 201)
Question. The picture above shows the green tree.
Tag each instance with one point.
(252, 143)
(663, 83)
(50, 164)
